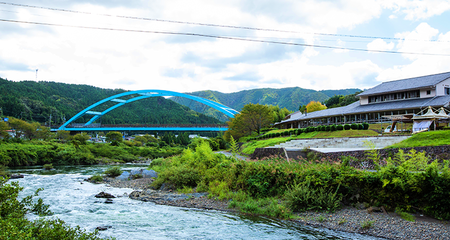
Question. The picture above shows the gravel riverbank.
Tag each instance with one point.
(348, 219)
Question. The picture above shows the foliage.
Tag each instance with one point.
(303, 197)
(340, 100)
(14, 224)
(48, 166)
(252, 118)
(96, 178)
(81, 138)
(317, 185)
(114, 137)
(289, 98)
(404, 215)
(36, 101)
(315, 106)
(367, 224)
(113, 171)
(233, 146)
(3, 127)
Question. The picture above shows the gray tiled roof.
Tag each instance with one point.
(407, 84)
(356, 108)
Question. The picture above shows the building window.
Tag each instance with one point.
(428, 92)
(447, 91)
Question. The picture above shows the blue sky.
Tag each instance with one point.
(144, 60)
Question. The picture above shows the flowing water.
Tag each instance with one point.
(72, 200)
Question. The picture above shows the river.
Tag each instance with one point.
(72, 200)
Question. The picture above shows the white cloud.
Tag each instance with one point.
(420, 65)
(134, 61)
(380, 45)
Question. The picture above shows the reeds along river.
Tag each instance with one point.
(72, 200)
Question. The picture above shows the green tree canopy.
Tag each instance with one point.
(252, 118)
(315, 106)
(114, 137)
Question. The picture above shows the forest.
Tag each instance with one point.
(53, 102)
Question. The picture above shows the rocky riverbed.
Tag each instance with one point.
(349, 219)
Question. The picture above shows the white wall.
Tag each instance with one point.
(423, 93)
(363, 100)
(440, 87)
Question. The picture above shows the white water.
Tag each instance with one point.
(72, 200)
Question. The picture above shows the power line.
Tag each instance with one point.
(220, 37)
(216, 25)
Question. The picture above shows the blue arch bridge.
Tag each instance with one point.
(139, 95)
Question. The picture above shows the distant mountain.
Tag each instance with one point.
(290, 98)
(36, 101)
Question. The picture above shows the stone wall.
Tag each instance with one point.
(438, 152)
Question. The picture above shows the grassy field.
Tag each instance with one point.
(433, 138)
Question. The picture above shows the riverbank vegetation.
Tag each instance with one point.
(15, 225)
(276, 187)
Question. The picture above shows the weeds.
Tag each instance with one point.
(367, 224)
(404, 215)
(113, 171)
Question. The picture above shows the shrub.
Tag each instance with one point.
(360, 126)
(354, 126)
(328, 128)
(347, 126)
(339, 127)
(333, 128)
(113, 171)
(96, 178)
(302, 197)
(365, 126)
(48, 166)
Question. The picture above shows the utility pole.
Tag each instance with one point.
(36, 74)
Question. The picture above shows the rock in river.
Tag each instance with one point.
(104, 195)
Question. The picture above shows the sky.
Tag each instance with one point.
(226, 46)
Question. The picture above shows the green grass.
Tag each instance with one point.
(432, 138)
(250, 147)
(346, 133)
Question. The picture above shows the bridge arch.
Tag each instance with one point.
(143, 94)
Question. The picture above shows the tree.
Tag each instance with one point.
(63, 135)
(302, 108)
(315, 106)
(252, 118)
(3, 127)
(114, 137)
(81, 138)
(22, 128)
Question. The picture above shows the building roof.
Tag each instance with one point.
(407, 84)
(357, 108)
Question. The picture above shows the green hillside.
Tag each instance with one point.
(36, 101)
(290, 98)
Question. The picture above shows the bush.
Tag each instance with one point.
(328, 128)
(48, 166)
(339, 127)
(96, 178)
(347, 126)
(360, 126)
(15, 225)
(354, 126)
(365, 126)
(333, 128)
(113, 171)
(302, 197)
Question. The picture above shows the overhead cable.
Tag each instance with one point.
(220, 37)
